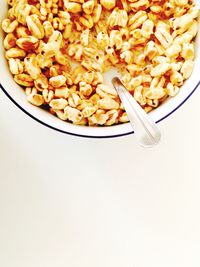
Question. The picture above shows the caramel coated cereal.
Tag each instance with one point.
(150, 41)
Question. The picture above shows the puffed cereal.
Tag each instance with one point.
(58, 50)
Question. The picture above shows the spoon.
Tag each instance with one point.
(146, 131)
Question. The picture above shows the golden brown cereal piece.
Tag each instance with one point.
(41, 82)
(16, 66)
(9, 41)
(187, 68)
(172, 90)
(73, 114)
(97, 13)
(88, 111)
(112, 117)
(176, 78)
(15, 53)
(118, 17)
(187, 51)
(28, 44)
(9, 26)
(48, 95)
(103, 90)
(85, 89)
(108, 4)
(61, 115)
(157, 93)
(136, 20)
(62, 92)
(24, 80)
(108, 103)
(35, 26)
(99, 118)
(60, 103)
(57, 81)
(74, 100)
(73, 7)
(32, 67)
(88, 6)
(163, 35)
(160, 69)
(35, 99)
(123, 118)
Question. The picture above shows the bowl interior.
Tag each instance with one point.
(17, 95)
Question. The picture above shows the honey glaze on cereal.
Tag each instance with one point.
(150, 42)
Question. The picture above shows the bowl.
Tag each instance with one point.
(17, 96)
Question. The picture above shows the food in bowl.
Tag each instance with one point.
(58, 52)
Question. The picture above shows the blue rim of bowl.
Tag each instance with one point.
(90, 136)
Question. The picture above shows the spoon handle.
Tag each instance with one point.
(145, 129)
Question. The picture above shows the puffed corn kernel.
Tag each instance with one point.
(176, 78)
(173, 51)
(103, 90)
(9, 41)
(98, 119)
(97, 13)
(123, 118)
(107, 103)
(88, 6)
(16, 66)
(15, 53)
(112, 117)
(140, 4)
(28, 44)
(187, 51)
(157, 93)
(172, 90)
(32, 67)
(57, 81)
(163, 35)
(137, 19)
(160, 69)
(24, 80)
(74, 100)
(35, 99)
(118, 18)
(85, 89)
(9, 26)
(61, 115)
(41, 82)
(147, 28)
(73, 7)
(88, 111)
(187, 68)
(73, 114)
(35, 26)
(59, 103)
(108, 4)
(48, 95)
(150, 50)
(62, 92)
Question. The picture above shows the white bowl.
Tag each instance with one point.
(17, 96)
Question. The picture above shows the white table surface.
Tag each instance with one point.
(74, 202)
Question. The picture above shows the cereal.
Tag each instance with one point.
(150, 41)
(35, 99)
(60, 103)
(16, 66)
(186, 69)
(57, 81)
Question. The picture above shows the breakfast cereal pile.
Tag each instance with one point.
(58, 50)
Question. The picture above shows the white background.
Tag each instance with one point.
(74, 202)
